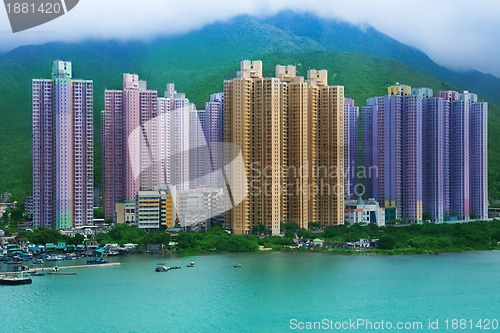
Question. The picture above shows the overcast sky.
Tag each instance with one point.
(458, 34)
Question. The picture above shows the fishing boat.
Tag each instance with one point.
(160, 267)
(94, 261)
(15, 280)
(55, 258)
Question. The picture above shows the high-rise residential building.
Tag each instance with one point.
(436, 158)
(468, 189)
(386, 151)
(214, 134)
(291, 134)
(479, 160)
(255, 121)
(301, 115)
(351, 133)
(112, 152)
(164, 122)
(63, 163)
(130, 140)
(460, 155)
(199, 151)
(369, 141)
(430, 152)
(394, 145)
(330, 150)
(181, 112)
(413, 157)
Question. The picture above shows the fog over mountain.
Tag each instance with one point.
(457, 34)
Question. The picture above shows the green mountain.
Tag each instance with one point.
(199, 61)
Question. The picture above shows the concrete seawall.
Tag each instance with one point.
(34, 270)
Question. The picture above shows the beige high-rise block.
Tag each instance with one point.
(289, 130)
(330, 158)
(237, 106)
(302, 123)
(254, 120)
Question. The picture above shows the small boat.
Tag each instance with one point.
(237, 266)
(161, 268)
(61, 273)
(15, 280)
(122, 250)
(94, 261)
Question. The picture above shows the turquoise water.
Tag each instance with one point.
(268, 291)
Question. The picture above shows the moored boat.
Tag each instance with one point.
(160, 267)
(94, 261)
(15, 280)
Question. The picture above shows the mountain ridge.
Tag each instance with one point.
(197, 63)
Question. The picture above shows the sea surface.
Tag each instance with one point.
(271, 292)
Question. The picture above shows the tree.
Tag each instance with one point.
(289, 226)
(259, 229)
(78, 239)
(426, 217)
(305, 234)
(99, 213)
(314, 225)
(386, 243)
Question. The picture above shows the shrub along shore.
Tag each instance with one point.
(412, 239)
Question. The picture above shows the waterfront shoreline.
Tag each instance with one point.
(35, 270)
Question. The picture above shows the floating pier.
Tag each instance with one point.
(34, 270)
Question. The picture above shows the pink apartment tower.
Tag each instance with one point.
(63, 156)
(123, 154)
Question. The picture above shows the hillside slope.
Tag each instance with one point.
(197, 63)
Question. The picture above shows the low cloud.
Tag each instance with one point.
(454, 33)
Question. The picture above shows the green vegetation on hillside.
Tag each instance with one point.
(197, 63)
(428, 237)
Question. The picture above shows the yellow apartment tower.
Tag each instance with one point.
(281, 124)
(330, 150)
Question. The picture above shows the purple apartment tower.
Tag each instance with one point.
(351, 124)
(63, 156)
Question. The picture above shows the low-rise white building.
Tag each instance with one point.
(125, 212)
(359, 211)
(154, 209)
(198, 209)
